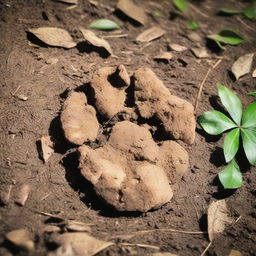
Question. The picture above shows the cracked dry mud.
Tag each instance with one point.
(132, 171)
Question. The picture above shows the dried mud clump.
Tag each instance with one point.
(153, 99)
(78, 119)
(131, 171)
(109, 84)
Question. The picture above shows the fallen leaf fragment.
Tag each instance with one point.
(164, 56)
(235, 253)
(150, 34)
(164, 254)
(23, 194)
(21, 238)
(242, 65)
(217, 218)
(22, 97)
(194, 37)
(51, 61)
(78, 226)
(177, 47)
(51, 229)
(47, 147)
(200, 52)
(68, 1)
(80, 244)
(103, 24)
(54, 36)
(254, 73)
(133, 11)
(91, 38)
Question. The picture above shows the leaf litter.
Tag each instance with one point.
(242, 65)
(94, 40)
(177, 47)
(150, 34)
(47, 147)
(53, 36)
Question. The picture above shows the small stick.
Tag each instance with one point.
(206, 249)
(198, 11)
(203, 82)
(13, 94)
(115, 36)
(246, 25)
(142, 245)
(169, 230)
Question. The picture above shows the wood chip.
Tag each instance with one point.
(150, 34)
(217, 218)
(164, 56)
(23, 194)
(47, 146)
(242, 65)
(54, 36)
(200, 52)
(133, 11)
(91, 38)
(177, 47)
(21, 238)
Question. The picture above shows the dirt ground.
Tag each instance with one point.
(57, 187)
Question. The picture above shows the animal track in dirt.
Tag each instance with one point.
(132, 171)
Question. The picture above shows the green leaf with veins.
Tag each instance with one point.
(249, 117)
(227, 37)
(214, 122)
(231, 102)
(249, 145)
(231, 144)
(231, 177)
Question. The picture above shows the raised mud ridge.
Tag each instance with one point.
(133, 170)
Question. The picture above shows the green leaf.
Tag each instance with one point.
(229, 11)
(181, 5)
(252, 93)
(231, 144)
(192, 25)
(250, 12)
(156, 14)
(231, 177)
(103, 24)
(249, 117)
(249, 145)
(227, 37)
(214, 122)
(231, 102)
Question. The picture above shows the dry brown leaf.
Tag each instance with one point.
(177, 47)
(235, 253)
(54, 36)
(47, 147)
(200, 52)
(242, 65)
(78, 244)
(254, 73)
(21, 238)
(164, 56)
(133, 11)
(150, 34)
(91, 38)
(22, 97)
(5, 194)
(194, 37)
(51, 61)
(78, 226)
(217, 218)
(23, 194)
(68, 1)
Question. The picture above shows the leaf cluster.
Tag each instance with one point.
(241, 126)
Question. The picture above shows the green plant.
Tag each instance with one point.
(181, 5)
(241, 124)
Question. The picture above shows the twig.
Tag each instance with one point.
(203, 82)
(246, 25)
(169, 230)
(13, 93)
(198, 11)
(142, 245)
(115, 36)
(206, 249)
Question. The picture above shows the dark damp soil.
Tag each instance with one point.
(57, 186)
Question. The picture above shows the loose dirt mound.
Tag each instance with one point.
(131, 172)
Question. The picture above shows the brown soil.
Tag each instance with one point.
(57, 187)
